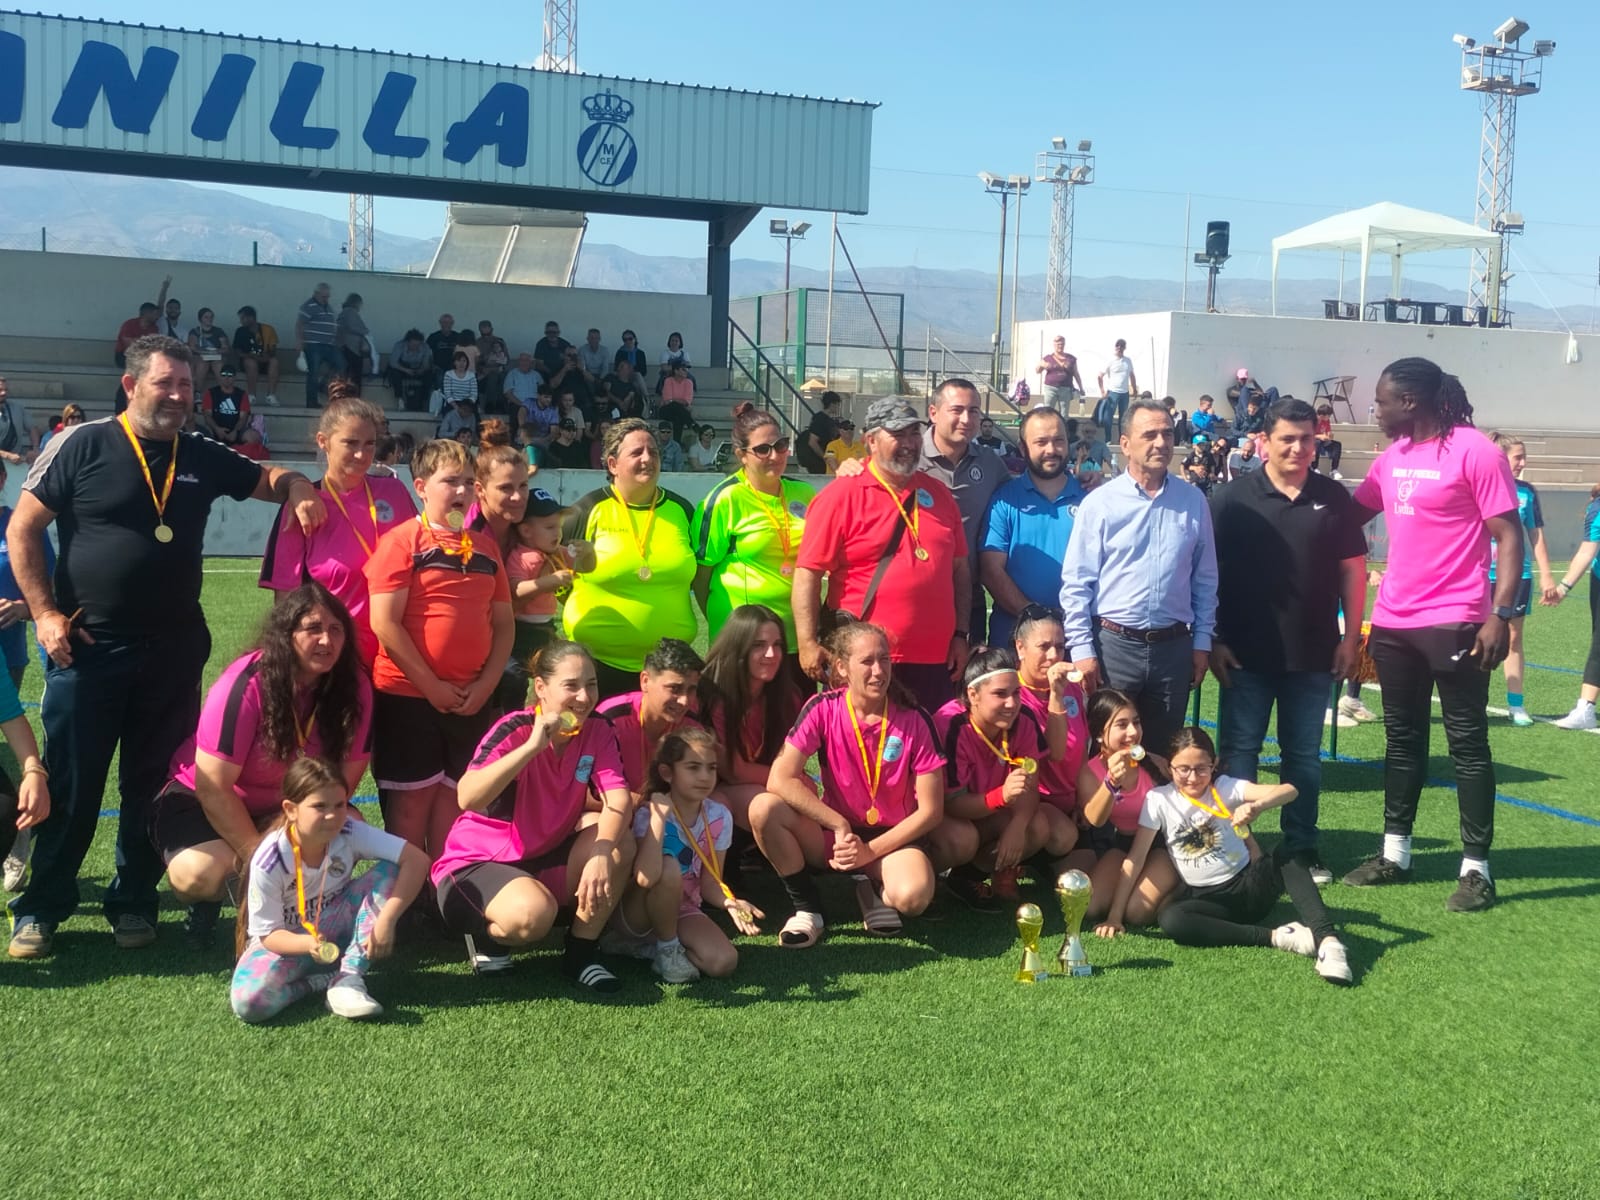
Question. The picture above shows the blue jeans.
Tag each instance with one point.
(319, 355)
(1244, 709)
(1111, 407)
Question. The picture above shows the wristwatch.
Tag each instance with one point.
(1505, 612)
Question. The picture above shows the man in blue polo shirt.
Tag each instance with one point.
(1029, 522)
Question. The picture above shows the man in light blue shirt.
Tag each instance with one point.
(1028, 525)
(1139, 582)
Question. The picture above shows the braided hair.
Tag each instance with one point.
(1440, 393)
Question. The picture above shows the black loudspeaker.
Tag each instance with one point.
(1216, 239)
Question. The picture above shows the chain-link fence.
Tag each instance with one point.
(194, 244)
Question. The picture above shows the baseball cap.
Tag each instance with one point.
(892, 414)
(227, 371)
(568, 423)
(847, 424)
(541, 503)
(1241, 373)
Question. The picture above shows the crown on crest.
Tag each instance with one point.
(608, 106)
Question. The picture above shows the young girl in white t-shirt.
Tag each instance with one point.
(311, 923)
(683, 834)
(1229, 885)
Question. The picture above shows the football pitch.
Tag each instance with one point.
(1459, 1064)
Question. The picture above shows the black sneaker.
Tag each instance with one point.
(200, 926)
(973, 890)
(1473, 894)
(1312, 862)
(1377, 871)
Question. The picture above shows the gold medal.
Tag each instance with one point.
(786, 570)
(455, 520)
(1074, 676)
(163, 533)
(872, 777)
(1028, 766)
(921, 553)
(644, 572)
(569, 721)
(1137, 753)
(325, 952)
(872, 815)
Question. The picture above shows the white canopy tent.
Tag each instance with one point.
(1385, 228)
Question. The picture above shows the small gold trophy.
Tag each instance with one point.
(1073, 890)
(1030, 924)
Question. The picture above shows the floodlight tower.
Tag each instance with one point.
(1501, 72)
(1001, 186)
(1064, 171)
(358, 243)
(560, 36)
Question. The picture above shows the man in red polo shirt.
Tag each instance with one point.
(891, 544)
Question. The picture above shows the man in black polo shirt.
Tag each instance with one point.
(1289, 551)
(122, 624)
(812, 448)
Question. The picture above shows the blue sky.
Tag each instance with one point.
(1269, 115)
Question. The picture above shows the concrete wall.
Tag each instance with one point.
(89, 296)
(1091, 339)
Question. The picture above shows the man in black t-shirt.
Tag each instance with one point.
(824, 427)
(442, 344)
(123, 626)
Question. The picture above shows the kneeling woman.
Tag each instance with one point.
(1058, 704)
(302, 691)
(992, 747)
(881, 813)
(1229, 885)
(512, 859)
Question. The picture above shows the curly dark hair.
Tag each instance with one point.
(338, 693)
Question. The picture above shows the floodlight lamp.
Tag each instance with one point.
(1511, 30)
(1509, 222)
(1058, 143)
(987, 179)
(1020, 182)
(1061, 171)
(1080, 174)
(1085, 146)
(779, 228)
(800, 229)
(1544, 49)
(1202, 259)
(1464, 41)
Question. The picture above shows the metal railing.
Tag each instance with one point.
(985, 389)
(762, 373)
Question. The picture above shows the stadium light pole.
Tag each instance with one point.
(1065, 171)
(780, 228)
(1001, 186)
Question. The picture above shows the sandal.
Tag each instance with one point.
(800, 931)
(876, 916)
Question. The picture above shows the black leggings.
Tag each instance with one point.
(1227, 914)
(1410, 663)
(1591, 668)
(1333, 451)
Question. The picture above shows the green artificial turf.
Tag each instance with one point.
(1460, 1064)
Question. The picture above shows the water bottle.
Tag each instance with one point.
(1372, 414)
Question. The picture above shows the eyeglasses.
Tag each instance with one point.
(768, 449)
(1200, 772)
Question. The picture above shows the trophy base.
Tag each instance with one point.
(1075, 971)
(1032, 970)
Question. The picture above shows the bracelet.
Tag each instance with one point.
(1563, 587)
(960, 633)
(36, 769)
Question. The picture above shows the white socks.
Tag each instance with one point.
(1585, 707)
(1480, 865)
(1397, 849)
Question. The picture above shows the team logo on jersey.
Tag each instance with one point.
(1072, 706)
(1402, 496)
(385, 511)
(584, 769)
(606, 151)
(797, 508)
(893, 748)
(975, 473)
(924, 497)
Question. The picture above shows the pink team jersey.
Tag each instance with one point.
(539, 810)
(910, 749)
(1124, 812)
(1058, 780)
(970, 766)
(333, 555)
(622, 713)
(1435, 497)
(229, 721)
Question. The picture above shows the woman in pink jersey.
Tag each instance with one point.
(881, 813)
(1059, 704)
(1112, 785)
(512, 860)
(300, 692)
(361, 508)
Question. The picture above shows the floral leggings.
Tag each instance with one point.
(264, 983)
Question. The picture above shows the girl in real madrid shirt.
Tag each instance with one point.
(1229, 885)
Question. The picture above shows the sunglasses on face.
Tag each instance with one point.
(768, 449)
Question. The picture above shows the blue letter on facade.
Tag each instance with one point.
(501, 119)
(220, 104)
(131, 100)
(382, 131)
(294, 105)
(13, 64)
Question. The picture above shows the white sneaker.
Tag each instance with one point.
(16, 865)
(349, 999)
(1332, 962)
(272, 400)
(486, 963)
(673, 965)
(621, 945)
(1351, 706)
(1338, 476)
(1581, 717)
(1295, 938)
(1520, 718)
(1345, 722)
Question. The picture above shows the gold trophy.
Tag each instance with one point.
(1073, 890)
(1030, 924)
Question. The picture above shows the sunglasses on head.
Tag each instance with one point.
(768, 449)
(1040, 612)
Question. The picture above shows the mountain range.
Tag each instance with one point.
(128, 216)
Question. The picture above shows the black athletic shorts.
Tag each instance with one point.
(464, 895)
(415, 745)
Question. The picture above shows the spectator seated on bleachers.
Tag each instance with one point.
(1328, 446)
(621, 394)
(672, 458)
(551, 349)
(522, 383)
(493, 359)
(595, 359)
(1204, 419)
(410, 373)
(225, 410)
(630, 353)
(677, 400)
(211, 349)
(673, 356)
(459, 382)
(255, 350)
(567, 375)
(568, 448)
(442, 345)
(461, 415)
(133, 329)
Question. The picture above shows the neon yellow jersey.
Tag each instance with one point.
(739, 533)
(611, 610)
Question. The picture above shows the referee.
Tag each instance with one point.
(122, 624)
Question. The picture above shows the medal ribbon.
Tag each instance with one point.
(1221, 810)
(914, 521)
(144, 465)
(309, 925)
(780, 523)
(464, 552)
(372, 510)
(872, 778)
(640, 543)
(1003, 750)
(708, 856)
(302, 733)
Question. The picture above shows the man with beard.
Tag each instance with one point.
(122, 623)
(890, 541)
(1139, 583)
(1029, 524)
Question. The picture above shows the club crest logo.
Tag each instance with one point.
(385, 511)
(607, 153)
(893, 747)
(1407, 486)
(584, 769)
(798, 509)
(924, 497)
